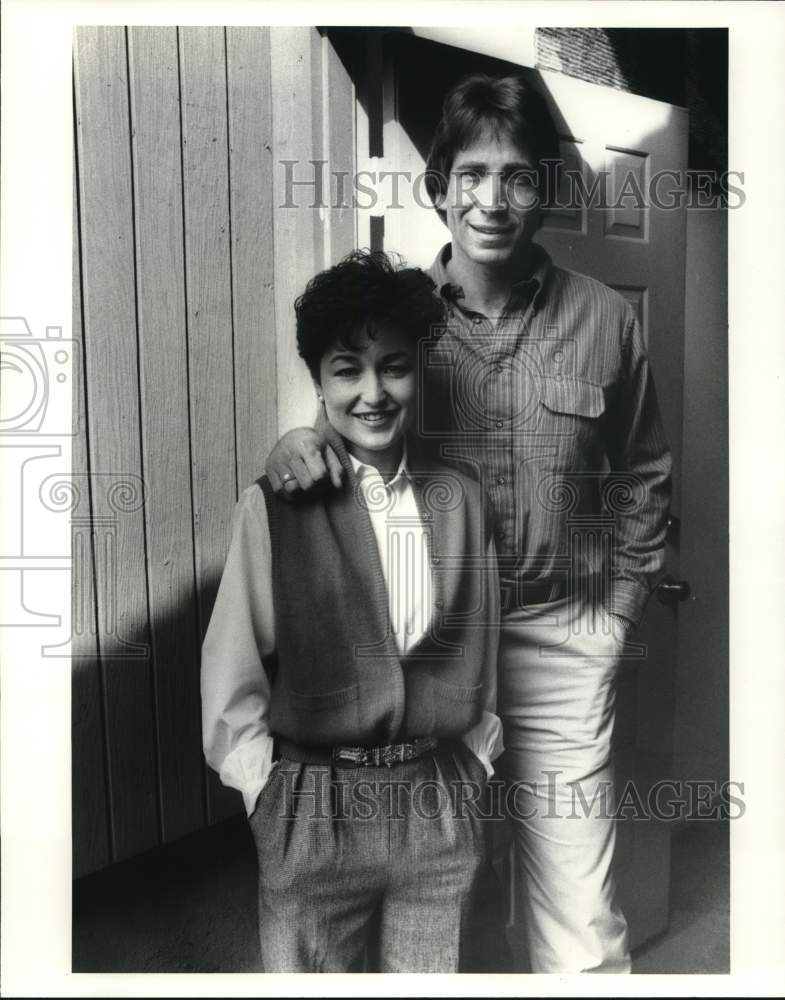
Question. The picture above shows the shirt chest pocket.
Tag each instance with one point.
(572, 396)
(572, 409)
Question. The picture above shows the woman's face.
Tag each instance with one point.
(370, 394)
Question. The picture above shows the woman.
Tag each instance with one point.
(348, 673)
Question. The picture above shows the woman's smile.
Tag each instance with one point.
(377, 417)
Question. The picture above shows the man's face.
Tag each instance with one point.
(492, 206)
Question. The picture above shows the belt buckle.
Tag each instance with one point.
(352, 755)
(386, 756)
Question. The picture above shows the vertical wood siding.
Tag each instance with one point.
(185, 272)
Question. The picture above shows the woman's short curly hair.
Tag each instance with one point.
(366, 292)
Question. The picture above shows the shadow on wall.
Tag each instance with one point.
(140, 783)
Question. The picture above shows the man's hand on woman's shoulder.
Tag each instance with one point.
(301, 460)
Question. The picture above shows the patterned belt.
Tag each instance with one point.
(343, 756)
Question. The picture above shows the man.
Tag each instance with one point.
(541, 384)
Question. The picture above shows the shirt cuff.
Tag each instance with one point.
(627, 599)
(485, 740)
(247, 768)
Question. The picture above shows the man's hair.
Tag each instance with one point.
(502, 105)
(365, 293)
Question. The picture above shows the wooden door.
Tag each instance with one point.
(638, 250)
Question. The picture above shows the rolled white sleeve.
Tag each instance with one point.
(485, 740)
(234, 685)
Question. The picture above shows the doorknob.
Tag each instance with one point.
(671, 591)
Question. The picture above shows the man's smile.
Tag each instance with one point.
(492, 230)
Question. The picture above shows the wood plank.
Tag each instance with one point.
(339, 89)
(209, 320)
(155, 120)
(299, 245)
(89, 826)
(253, 268)
(106, 200)
(249, 108)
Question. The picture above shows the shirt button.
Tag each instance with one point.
(500, 423)
(558, 377)
(499, 369)
(435, 561)
(477, 321)
(558, 355)
(438, 604)
(501, 480)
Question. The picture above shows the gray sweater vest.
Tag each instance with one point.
(337, 677)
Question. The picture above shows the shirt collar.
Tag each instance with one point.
(532, 283)
(363, 469)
